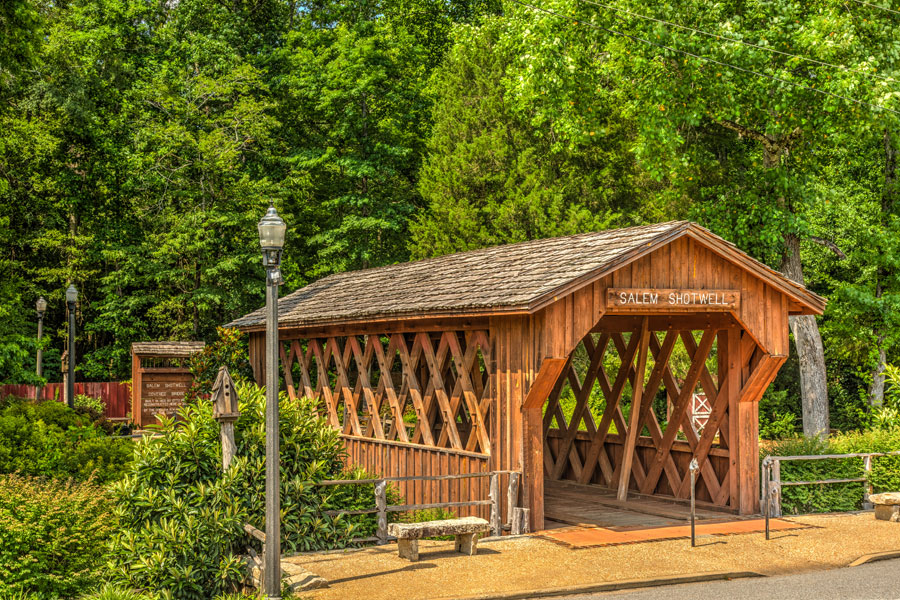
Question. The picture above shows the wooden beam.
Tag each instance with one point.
(543, 384)
(635, 416)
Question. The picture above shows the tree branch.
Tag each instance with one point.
(828, 244)
(744, 131)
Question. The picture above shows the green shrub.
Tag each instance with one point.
(229, 350)
(52, 536)
(50, 439)
(181, 517)
(89, 404)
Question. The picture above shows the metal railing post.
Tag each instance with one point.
(694, 467)
(767, 495)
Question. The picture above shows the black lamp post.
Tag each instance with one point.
(41, 306)
(271, 238)
(71, 299)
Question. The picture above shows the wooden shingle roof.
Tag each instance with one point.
(167, 349)
(519, 277)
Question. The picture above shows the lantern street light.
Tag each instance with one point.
(41, 306)
(271, 239)
(71, 299)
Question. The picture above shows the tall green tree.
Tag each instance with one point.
(780, 110)
(529, 140)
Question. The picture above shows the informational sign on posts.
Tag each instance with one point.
(160, 379)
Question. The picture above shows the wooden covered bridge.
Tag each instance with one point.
(569, 359)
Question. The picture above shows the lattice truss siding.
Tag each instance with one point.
(599, 375)
(424, 388)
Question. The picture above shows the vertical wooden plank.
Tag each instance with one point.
(634, 417)
(733, 375)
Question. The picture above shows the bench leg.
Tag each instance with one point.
(409, 549)
(467, 543)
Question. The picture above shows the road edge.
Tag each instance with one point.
(869, 558)
(612, 586)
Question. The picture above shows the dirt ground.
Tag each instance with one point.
(534, 563)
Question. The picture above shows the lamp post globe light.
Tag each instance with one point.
(271, 239)
(71, 299)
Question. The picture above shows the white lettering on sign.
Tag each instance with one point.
(664, 300)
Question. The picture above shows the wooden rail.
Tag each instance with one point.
(772, 482)
(516, 517)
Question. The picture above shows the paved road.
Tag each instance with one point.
(874, 581)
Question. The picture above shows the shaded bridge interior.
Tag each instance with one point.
(589, 412)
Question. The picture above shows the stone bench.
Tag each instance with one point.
(465, 530)
(887, 506)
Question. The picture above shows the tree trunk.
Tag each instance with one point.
(813, 383)
(876, 389)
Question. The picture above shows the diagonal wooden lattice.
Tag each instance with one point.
(589, 452)
(424, 388)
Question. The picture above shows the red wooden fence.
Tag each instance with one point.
(117, 395)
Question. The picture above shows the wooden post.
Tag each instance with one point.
(634, 426)
(494, 496)
(519, 523)
(776, 488)
(229, 448)
(381, 506)
(512, 497)
(867, 465)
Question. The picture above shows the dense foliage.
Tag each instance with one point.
(51, 440)
(229, 350)
(181, 517)
(53, 535)
(141, 141)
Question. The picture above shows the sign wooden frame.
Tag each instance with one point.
(655, 300)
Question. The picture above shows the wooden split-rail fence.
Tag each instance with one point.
(516, 521)
(773, 484)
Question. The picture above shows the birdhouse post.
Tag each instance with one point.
(226, 412)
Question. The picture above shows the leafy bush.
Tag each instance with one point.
(89, 404)
(50, 439)
(52, 536)
(229, 350)
(181, 517)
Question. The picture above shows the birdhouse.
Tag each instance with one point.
(225, 398)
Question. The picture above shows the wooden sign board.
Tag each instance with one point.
(646, 300)
(162, 394)
(160, 378)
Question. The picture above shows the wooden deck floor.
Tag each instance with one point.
(567, 503)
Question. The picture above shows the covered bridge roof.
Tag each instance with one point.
(521, 277)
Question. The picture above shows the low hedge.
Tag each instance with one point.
(49, 439)
(837, 497)
(53, 536)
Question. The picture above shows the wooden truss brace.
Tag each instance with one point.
(455, 392)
